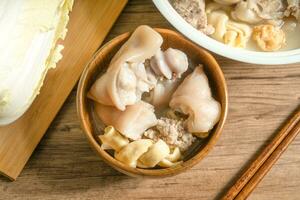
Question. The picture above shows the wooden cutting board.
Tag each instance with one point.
(90, 21)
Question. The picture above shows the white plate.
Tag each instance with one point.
(255, 57)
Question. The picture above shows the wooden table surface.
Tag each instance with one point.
(261, 98)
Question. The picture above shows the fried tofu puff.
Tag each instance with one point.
(269, 37)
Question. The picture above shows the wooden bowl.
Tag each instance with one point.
(98, 65)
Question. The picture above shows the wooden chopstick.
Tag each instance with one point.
(264, 169)
(279, 143)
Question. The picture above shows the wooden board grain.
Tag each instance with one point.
(260, 99)
(89, 23)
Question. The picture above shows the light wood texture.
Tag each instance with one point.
(197, 55)
(266, 159)
(261, 98)
(89, 23)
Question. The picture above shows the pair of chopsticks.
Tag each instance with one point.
(264, 162)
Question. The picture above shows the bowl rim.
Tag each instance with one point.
(82, 112)
(243, 55)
